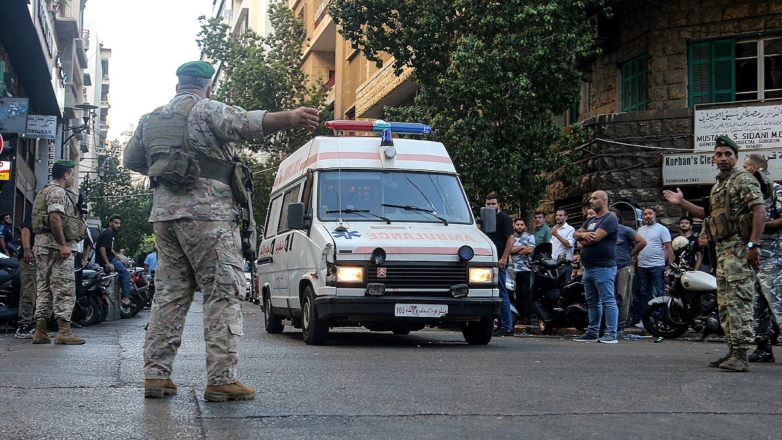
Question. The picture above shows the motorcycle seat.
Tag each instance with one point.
(11, 263)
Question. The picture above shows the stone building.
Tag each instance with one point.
(671, 76)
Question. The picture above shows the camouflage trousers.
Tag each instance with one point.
(768, 299)
(56, 285)
(205, 256)
(735, 292)
(28, 292)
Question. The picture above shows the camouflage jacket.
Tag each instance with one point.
(57, 200)
(212, 129)
(744, 193)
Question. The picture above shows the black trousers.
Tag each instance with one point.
(524, 296)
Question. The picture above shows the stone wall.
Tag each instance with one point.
(662, 31)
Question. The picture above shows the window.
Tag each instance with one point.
(730, 70)
(291, 196)
(634, 85)
(272, 217)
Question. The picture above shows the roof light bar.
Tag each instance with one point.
(379, 126)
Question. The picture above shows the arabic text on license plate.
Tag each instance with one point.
(420, 310)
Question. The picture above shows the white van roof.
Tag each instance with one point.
(363, 152)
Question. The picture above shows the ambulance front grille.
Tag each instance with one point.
(419, 275)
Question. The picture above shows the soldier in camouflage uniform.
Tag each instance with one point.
(197, 230)
(53, 208)
(768, 300)
(735, 222)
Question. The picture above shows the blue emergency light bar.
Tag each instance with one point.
(379, 126)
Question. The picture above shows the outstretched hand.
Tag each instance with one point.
(304, 117)
(673, 197)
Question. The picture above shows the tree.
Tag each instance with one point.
(491, 75)
(265, 73)
(114, 194)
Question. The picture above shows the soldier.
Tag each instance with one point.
(734, 223)
(768, 300)
(58, 228)
(187, 149)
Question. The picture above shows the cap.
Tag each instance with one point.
(67, 163)
(725, 141)
(198, 69)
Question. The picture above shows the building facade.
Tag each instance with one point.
(672, 75)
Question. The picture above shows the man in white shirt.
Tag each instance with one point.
(652, 263)
(562, 240)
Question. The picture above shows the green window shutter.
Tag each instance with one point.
(723, 65)
(634, 85)
(699, 72)
(641, 83)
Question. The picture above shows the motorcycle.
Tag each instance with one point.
(91, 306)
(557, 304)
(10, 290)
(140, 295)
(691, 302)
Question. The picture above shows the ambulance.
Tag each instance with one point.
(375, 232)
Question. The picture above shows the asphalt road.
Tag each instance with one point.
(429, 384)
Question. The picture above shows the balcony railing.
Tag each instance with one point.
(321, 11)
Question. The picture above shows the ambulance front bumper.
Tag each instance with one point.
(384, 308)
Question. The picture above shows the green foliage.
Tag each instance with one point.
(144, 249)
(114, 194)
(492, 74)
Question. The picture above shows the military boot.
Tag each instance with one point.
(40, 336)
(738, 362)
(763, 353)
(159, 387)
(232, 391)
(716, 364)
(65, 336)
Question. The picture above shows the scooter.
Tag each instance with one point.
(10, 290)
(139, 294)
(558, 305)
(91, 307)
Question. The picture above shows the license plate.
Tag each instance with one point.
(421, 310)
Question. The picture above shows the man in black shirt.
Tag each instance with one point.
(106, 257)
(503, 240)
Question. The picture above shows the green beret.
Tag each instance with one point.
(726, 141)
(67, 163)
(198, 69)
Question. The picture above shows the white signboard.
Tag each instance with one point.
(751, 127)
(43, 127)
(697, 168)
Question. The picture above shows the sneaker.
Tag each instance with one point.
(25, 332)
(502, 332)
(639, 325)
(607, 339)
(587, 337)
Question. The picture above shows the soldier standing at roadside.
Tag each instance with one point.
(735, 222)
(58, 228)
(187, 149)
(768, 301)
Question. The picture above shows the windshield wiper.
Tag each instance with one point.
(417, 209)
(359, 211)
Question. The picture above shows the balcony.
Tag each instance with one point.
(384, 89)
(66, 21)
(324, 37)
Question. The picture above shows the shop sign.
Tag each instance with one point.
(697, 168)
(41, 126)
(13, 115)
(5, 171)
(752, 127)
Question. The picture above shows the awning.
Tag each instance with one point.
(21, 41)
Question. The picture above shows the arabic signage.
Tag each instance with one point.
(698, 168)
(13, 115)
(43, 127)
(751, 127)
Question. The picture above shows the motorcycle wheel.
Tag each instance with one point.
(93, 312)
(139, 305)
(104, 311)
(657, 322)
(546, 329)
(126, 311)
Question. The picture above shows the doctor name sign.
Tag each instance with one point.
(697, 168)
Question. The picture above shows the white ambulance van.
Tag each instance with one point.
(375, 232)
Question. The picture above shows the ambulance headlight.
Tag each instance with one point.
(349, 274)
(482, 275)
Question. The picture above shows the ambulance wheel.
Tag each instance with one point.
(479, 332)
(272, 322)
(314, 330)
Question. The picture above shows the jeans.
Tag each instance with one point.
(506, 320)
(124, 276)
(652, 284)
(599, 289)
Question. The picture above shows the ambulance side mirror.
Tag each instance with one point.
(296, 216)
(489, 220)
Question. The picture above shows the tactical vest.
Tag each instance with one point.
(721, 224)
(73, 226)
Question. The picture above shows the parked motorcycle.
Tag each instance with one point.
(139, 294)
(691, 301)
(92, 306)
(558, 305)
(10, 290)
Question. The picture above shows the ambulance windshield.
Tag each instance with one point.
(365, 195)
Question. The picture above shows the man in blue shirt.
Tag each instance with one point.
(150, 263)
(6, 225)
(598, 258)
(628, 244)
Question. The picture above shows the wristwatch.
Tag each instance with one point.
(753, 245)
